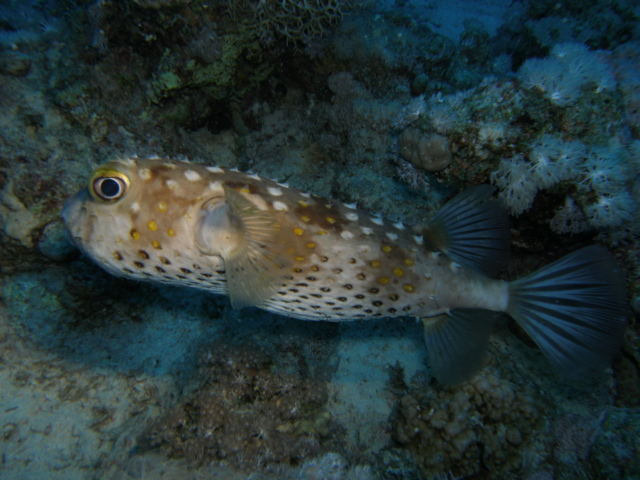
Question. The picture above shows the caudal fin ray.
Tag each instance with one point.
(574, 309)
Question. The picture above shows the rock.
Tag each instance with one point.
(55, 242)
(14, 63)
(428, 151)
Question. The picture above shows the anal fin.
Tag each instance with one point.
(456, 343)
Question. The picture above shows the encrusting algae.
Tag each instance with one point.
(267, 245)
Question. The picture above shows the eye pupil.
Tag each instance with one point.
(109, 188)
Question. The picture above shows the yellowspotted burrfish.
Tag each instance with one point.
(267, 245)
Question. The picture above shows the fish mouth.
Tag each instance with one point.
(74, 216)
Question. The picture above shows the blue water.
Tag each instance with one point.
(395, 105)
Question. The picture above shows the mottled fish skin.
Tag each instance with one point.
(323, 260)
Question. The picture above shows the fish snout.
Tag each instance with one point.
(74, 215)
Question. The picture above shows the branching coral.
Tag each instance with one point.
(295, 21)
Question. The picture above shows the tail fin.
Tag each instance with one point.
(575, 310)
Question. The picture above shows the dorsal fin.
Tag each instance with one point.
(246, 238)
(472, 229)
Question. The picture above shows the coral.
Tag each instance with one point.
(246, 413)
(569, 69)
(483, 424)
(513, 176)
(296, 22)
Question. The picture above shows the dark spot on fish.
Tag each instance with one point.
(393, 297)
(207, 275)
(312, 279)
(315, 295)
(376, 303)
(302, 284)
(374, 290)
(181, 277)
(392, 310)
(359, 296)
(348, 286)
(361, 276)
(143, 254)
(165, 260)
(324, 259)
(127, 270)
(185, 270)
(325, 289)
(160, 269)
(138, 264)
(406, 309)
(357, 306)
(352, 261)
(342, 299)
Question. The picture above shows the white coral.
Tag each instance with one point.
(569, 68)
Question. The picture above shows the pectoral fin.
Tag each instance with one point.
(246, 238)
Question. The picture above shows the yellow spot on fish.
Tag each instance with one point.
(156, 244)
(143, 254)
(375, 263)
(297, 270)
(305, 218)
(117, 256)
(331, 220)
(322, 232)
(135, 234)
(152, 225)
(298, 231)
(302, 203)
(315, 268)
(163, 206)
(244, 190)
(171, 232)
(409, 288)
(398, 272)
(386, 248)
(299, 258)
(310, 245)
(383, 280)
(408, 262)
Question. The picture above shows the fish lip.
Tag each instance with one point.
(74, 216)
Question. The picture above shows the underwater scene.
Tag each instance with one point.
(319, 239)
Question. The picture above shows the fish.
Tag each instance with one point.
(267, 245)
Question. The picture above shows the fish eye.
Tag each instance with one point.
(109, 186)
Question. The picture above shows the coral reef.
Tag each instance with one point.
(484, 425)
(247, 413)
